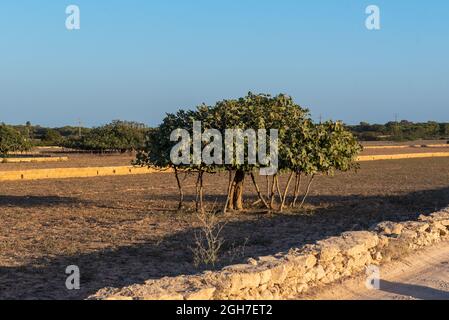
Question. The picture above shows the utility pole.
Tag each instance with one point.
(79, 128)
(396, 120)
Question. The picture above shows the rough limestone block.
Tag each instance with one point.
(302, 261)
(416, 226)
(329, 248)
(240, 281)
(389, 228)
(118, 298)
(359, 242)
(201, 294)
(280, 272)
(167, 296)
(320, 273)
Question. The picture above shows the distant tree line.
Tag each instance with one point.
(43, 136)
(122, 136)
(117, 136)
(401, 131)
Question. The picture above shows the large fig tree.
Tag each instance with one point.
(302, 148)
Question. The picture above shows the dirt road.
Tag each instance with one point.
(421, 276)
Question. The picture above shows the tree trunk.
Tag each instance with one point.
(259, 194)
(181, 193)
(201, 192)
(297, 189)
(284, 197)
(307, 191)
(236, 194)
(272, 193)
(278, 188)
(230, 190)
(197, 189)
(268, 186)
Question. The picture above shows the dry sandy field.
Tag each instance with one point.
(124, 230)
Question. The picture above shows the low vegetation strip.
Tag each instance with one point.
(386, 147)
(62, 173)
(38, 159)
(289, 275)
(402, 156)
(408, 146)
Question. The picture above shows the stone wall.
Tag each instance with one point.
(33, 160)
(288, 275)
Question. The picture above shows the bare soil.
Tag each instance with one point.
(124, 230)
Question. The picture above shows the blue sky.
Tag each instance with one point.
(138, 59)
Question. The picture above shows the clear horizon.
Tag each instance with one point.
(136, 60)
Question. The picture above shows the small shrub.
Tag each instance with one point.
(208, 240)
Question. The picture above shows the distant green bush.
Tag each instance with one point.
(118, 136)
(12, 140)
